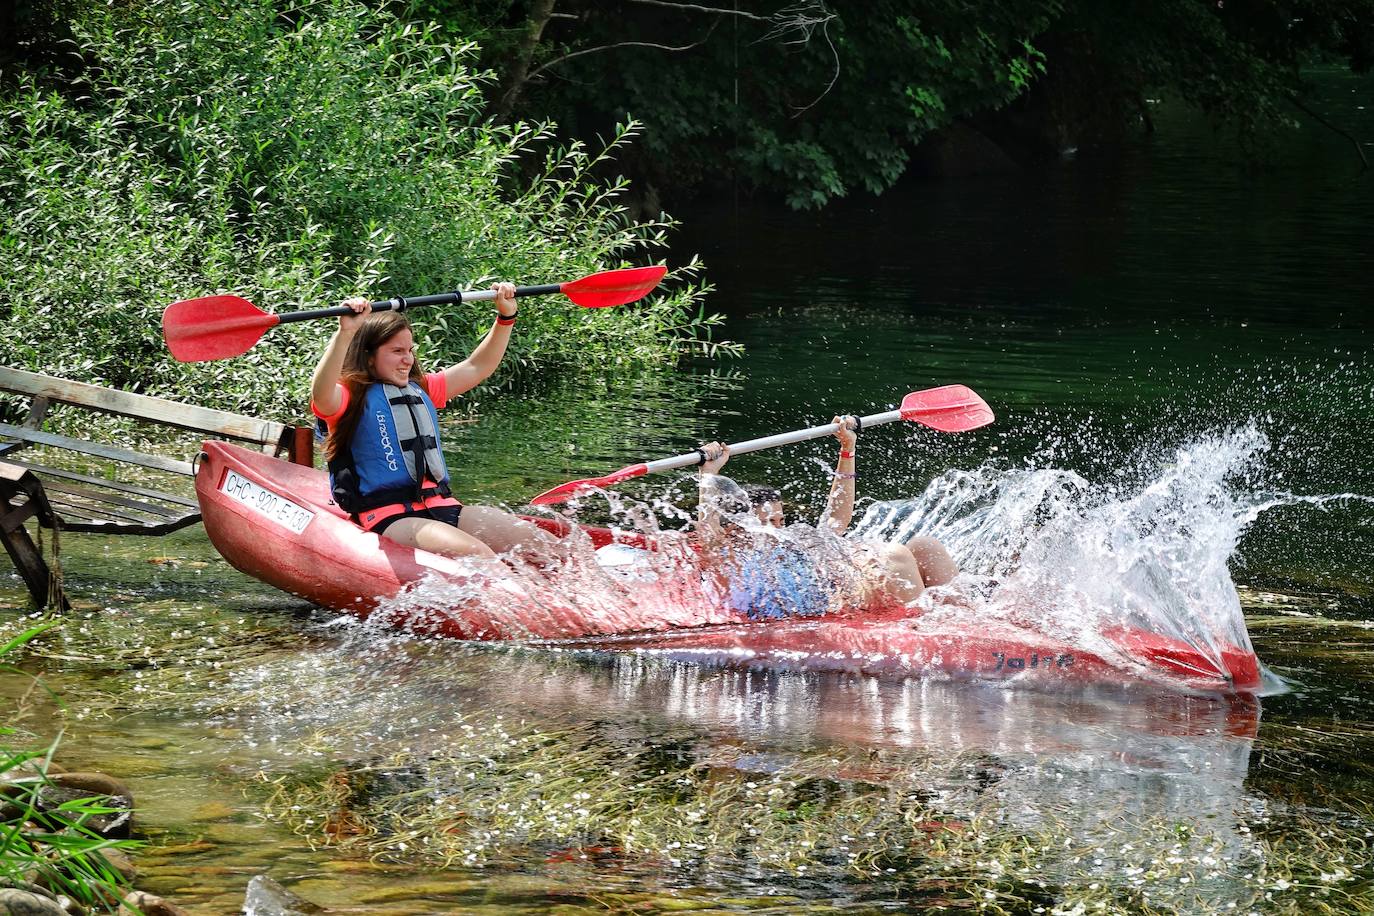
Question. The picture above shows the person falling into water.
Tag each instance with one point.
(386, 463)
(754, 574)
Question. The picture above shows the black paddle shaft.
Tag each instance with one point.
(401, 303)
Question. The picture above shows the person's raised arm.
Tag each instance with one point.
(839, 505)
(324, 384)
(708, 495)
(483, 360)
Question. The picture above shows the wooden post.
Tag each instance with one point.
(297, 443)
(304, 451)
(28, 559)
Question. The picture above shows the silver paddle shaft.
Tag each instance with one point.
(757, 445)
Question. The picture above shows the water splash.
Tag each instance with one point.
(1152, 549)
(1042, 548)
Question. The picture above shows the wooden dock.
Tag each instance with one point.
(57, 496)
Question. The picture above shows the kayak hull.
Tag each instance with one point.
(883, 643)
(275, 522)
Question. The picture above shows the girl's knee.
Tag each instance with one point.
(937, 566)
(895, 555)
(924, 545)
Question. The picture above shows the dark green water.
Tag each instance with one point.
(1114, 315)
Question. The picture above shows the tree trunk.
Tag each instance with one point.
(514, 82)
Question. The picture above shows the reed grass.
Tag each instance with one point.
(51, 846)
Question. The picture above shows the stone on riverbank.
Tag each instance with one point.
(14, 902)
(136, 902)
(66, 787)
(266, 897)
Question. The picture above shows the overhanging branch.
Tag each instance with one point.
(619, 44)
(1359, 150)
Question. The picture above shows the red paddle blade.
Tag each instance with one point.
(614, 287)
(951, 409)
(214, 327)
(566, 491)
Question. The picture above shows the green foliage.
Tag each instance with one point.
(810, 101)
(296, 158)
(52, 845)
(1239, 61)
(34, 32)
(807, 119)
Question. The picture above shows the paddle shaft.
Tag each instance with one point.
(401, 303)
(758, 445)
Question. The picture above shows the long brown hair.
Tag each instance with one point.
(356, 374)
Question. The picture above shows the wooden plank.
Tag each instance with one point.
(87, 493)
(110, 528)
(74, 511)
(126, 403)
(33, 568)
(16, 516)
(114, 453)
(64, 505)
(120, 486)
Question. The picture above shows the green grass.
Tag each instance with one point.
(54, 846)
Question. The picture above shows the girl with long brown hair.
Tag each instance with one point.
(385, 460)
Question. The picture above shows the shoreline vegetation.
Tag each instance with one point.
(225, 149)
(66, 835)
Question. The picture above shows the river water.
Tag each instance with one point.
(1176, 345)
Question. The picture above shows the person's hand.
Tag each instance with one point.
(716, 455)
(846, 433)
(505, 299)
(361, 309)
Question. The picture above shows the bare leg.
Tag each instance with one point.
(901, 575)
(437, 537)
(503, 533)
(937, 566)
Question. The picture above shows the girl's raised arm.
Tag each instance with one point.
(483, 360)
(324, 391)
(708, 496)
(839, 506)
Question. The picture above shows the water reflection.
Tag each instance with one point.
(1098, 770)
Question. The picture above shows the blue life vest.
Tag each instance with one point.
(777, 581)
(395, 447)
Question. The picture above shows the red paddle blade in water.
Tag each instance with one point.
(951, 409)
(566, 491)
(213, 327)
(614, 287)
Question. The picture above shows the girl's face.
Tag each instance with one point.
(770, 513)
(392, 360)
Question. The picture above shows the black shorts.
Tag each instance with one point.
(447, 514)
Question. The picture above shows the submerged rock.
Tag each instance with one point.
(120, 861)
(266, 897)
(92, 783)
(136, 902)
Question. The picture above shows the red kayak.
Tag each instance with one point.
(275, 521)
